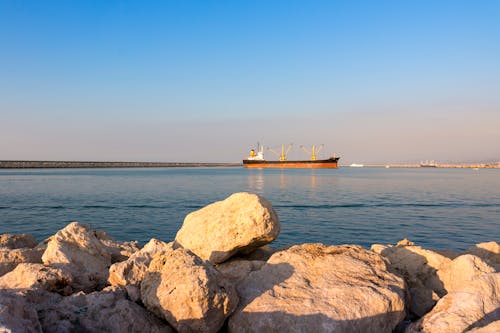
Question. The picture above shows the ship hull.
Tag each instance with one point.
(331, 163)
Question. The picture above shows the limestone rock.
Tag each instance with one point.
(318, 288)
(422, 299)
(104, 311)
(131, 271)
(419, 267)
(32, 276)
(119, 251)
(10, 258)
(188, 292)
(42, 246)
(405, 242)
(475, 305)
(462, 270)
(17, 241)
(77, 250)
(16, 314)
(237, 269)
(489, 251)
(240, 223)
(262, 253)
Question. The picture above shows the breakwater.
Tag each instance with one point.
(81, 279)
(95, 164)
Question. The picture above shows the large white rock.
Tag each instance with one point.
(77, 250)
(104, 311)
(34, 276)
(10, 258)
(319, 288)
(17, 241)
(240, 223)
(475, 305)
(188, 292)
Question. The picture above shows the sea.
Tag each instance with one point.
(433, 207)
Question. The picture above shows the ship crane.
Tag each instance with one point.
(283, 154)
(313, 151)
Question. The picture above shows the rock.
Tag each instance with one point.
(262, 253)
(419, 267)
(447, 253)
(378, 248)
(422, 299)
(475, 305)
(131, 271)
(414, 262)
(33, 276)
(237, 269)
(319, 288)
(239, 224)
(462, 270)
(493, 327)
(17, 241)
(10, 258)
(119, 251)
(16, 314)
(489, 251)
(104, 311)
(77, 250)
(405, 242)
(188, 292)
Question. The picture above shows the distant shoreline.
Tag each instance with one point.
(13, 164)
(97, 165)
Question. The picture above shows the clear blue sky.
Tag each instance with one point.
(375, 81)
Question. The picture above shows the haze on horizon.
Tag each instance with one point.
(204, 81)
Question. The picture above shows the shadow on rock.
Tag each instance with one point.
(486, 320)
(420, 271)
(285, 322)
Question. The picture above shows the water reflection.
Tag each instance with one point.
(282, 180)
(256, 181)
(285, 180)
(313, 180)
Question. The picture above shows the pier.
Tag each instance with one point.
(85, 164)
(438, 165)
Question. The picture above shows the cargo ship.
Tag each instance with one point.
(257, 160)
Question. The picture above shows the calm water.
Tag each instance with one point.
(436, 208)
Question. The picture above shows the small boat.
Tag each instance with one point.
(257, 160)
(355, 165)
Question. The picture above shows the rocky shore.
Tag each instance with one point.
(221, 275)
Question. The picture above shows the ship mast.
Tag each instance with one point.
(313, 151)
(283, 154)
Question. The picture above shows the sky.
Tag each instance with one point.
(204, 81)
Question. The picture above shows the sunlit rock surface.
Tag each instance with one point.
(33, 276)
(420, 268)
(239, 224)
(103, 311)
(476, 304)
(10, 258)
(17, 241)
(77, 250)
(188, 292)
(318, 288)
